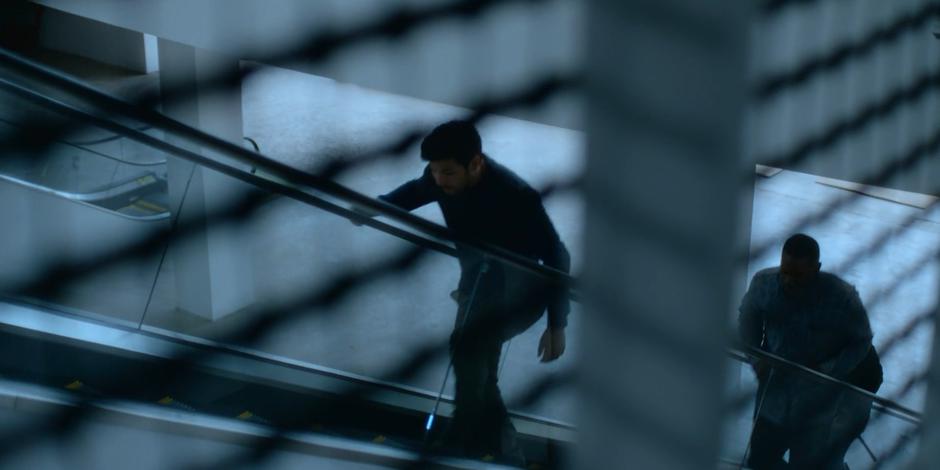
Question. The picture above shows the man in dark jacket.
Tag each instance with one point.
(484, 201)
(815, 319)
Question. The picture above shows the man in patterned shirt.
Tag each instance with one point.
(815, 319)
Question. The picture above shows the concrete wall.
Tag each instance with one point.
(454, 61)
(664, 183)
(869, 75)
(99, 41)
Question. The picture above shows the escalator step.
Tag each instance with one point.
(149, 206)
(173, 403)
(253, 418)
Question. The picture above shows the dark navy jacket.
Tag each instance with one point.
(502, 210)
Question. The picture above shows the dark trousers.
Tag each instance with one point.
(819, 446)
(481, 422)
(503, 307)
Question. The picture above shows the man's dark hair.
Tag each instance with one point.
(454, 139)
(802, 247)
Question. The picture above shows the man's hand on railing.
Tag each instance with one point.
(552, 344)
(364, 213)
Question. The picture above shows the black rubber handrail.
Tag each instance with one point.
(81, 199)
(92, 151)
(881, 404)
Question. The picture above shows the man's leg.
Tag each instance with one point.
(504, 441)
(476, 421)
(823, 446)
(769, 442)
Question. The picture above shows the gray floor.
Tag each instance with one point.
(304, 120)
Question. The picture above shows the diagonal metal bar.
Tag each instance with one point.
(900, 411)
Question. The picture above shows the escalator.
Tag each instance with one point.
(79, 358)
(64, 351)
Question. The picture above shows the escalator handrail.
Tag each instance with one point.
(116, 106)
(177, 339)
(743, 353)
(92, 151)
(293, 179)
(103, 140)
(82, 199)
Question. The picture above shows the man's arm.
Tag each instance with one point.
(408, 196)
(554, 254)
(750, 317)
(857, 340)
(413, 194)
(751, 322)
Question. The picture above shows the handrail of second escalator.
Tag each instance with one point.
(81, 199)
(92, 151)
(884, 405)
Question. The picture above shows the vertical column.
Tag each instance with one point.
(928, 453)
(665, 102)
(99, 41)
(214, 269)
